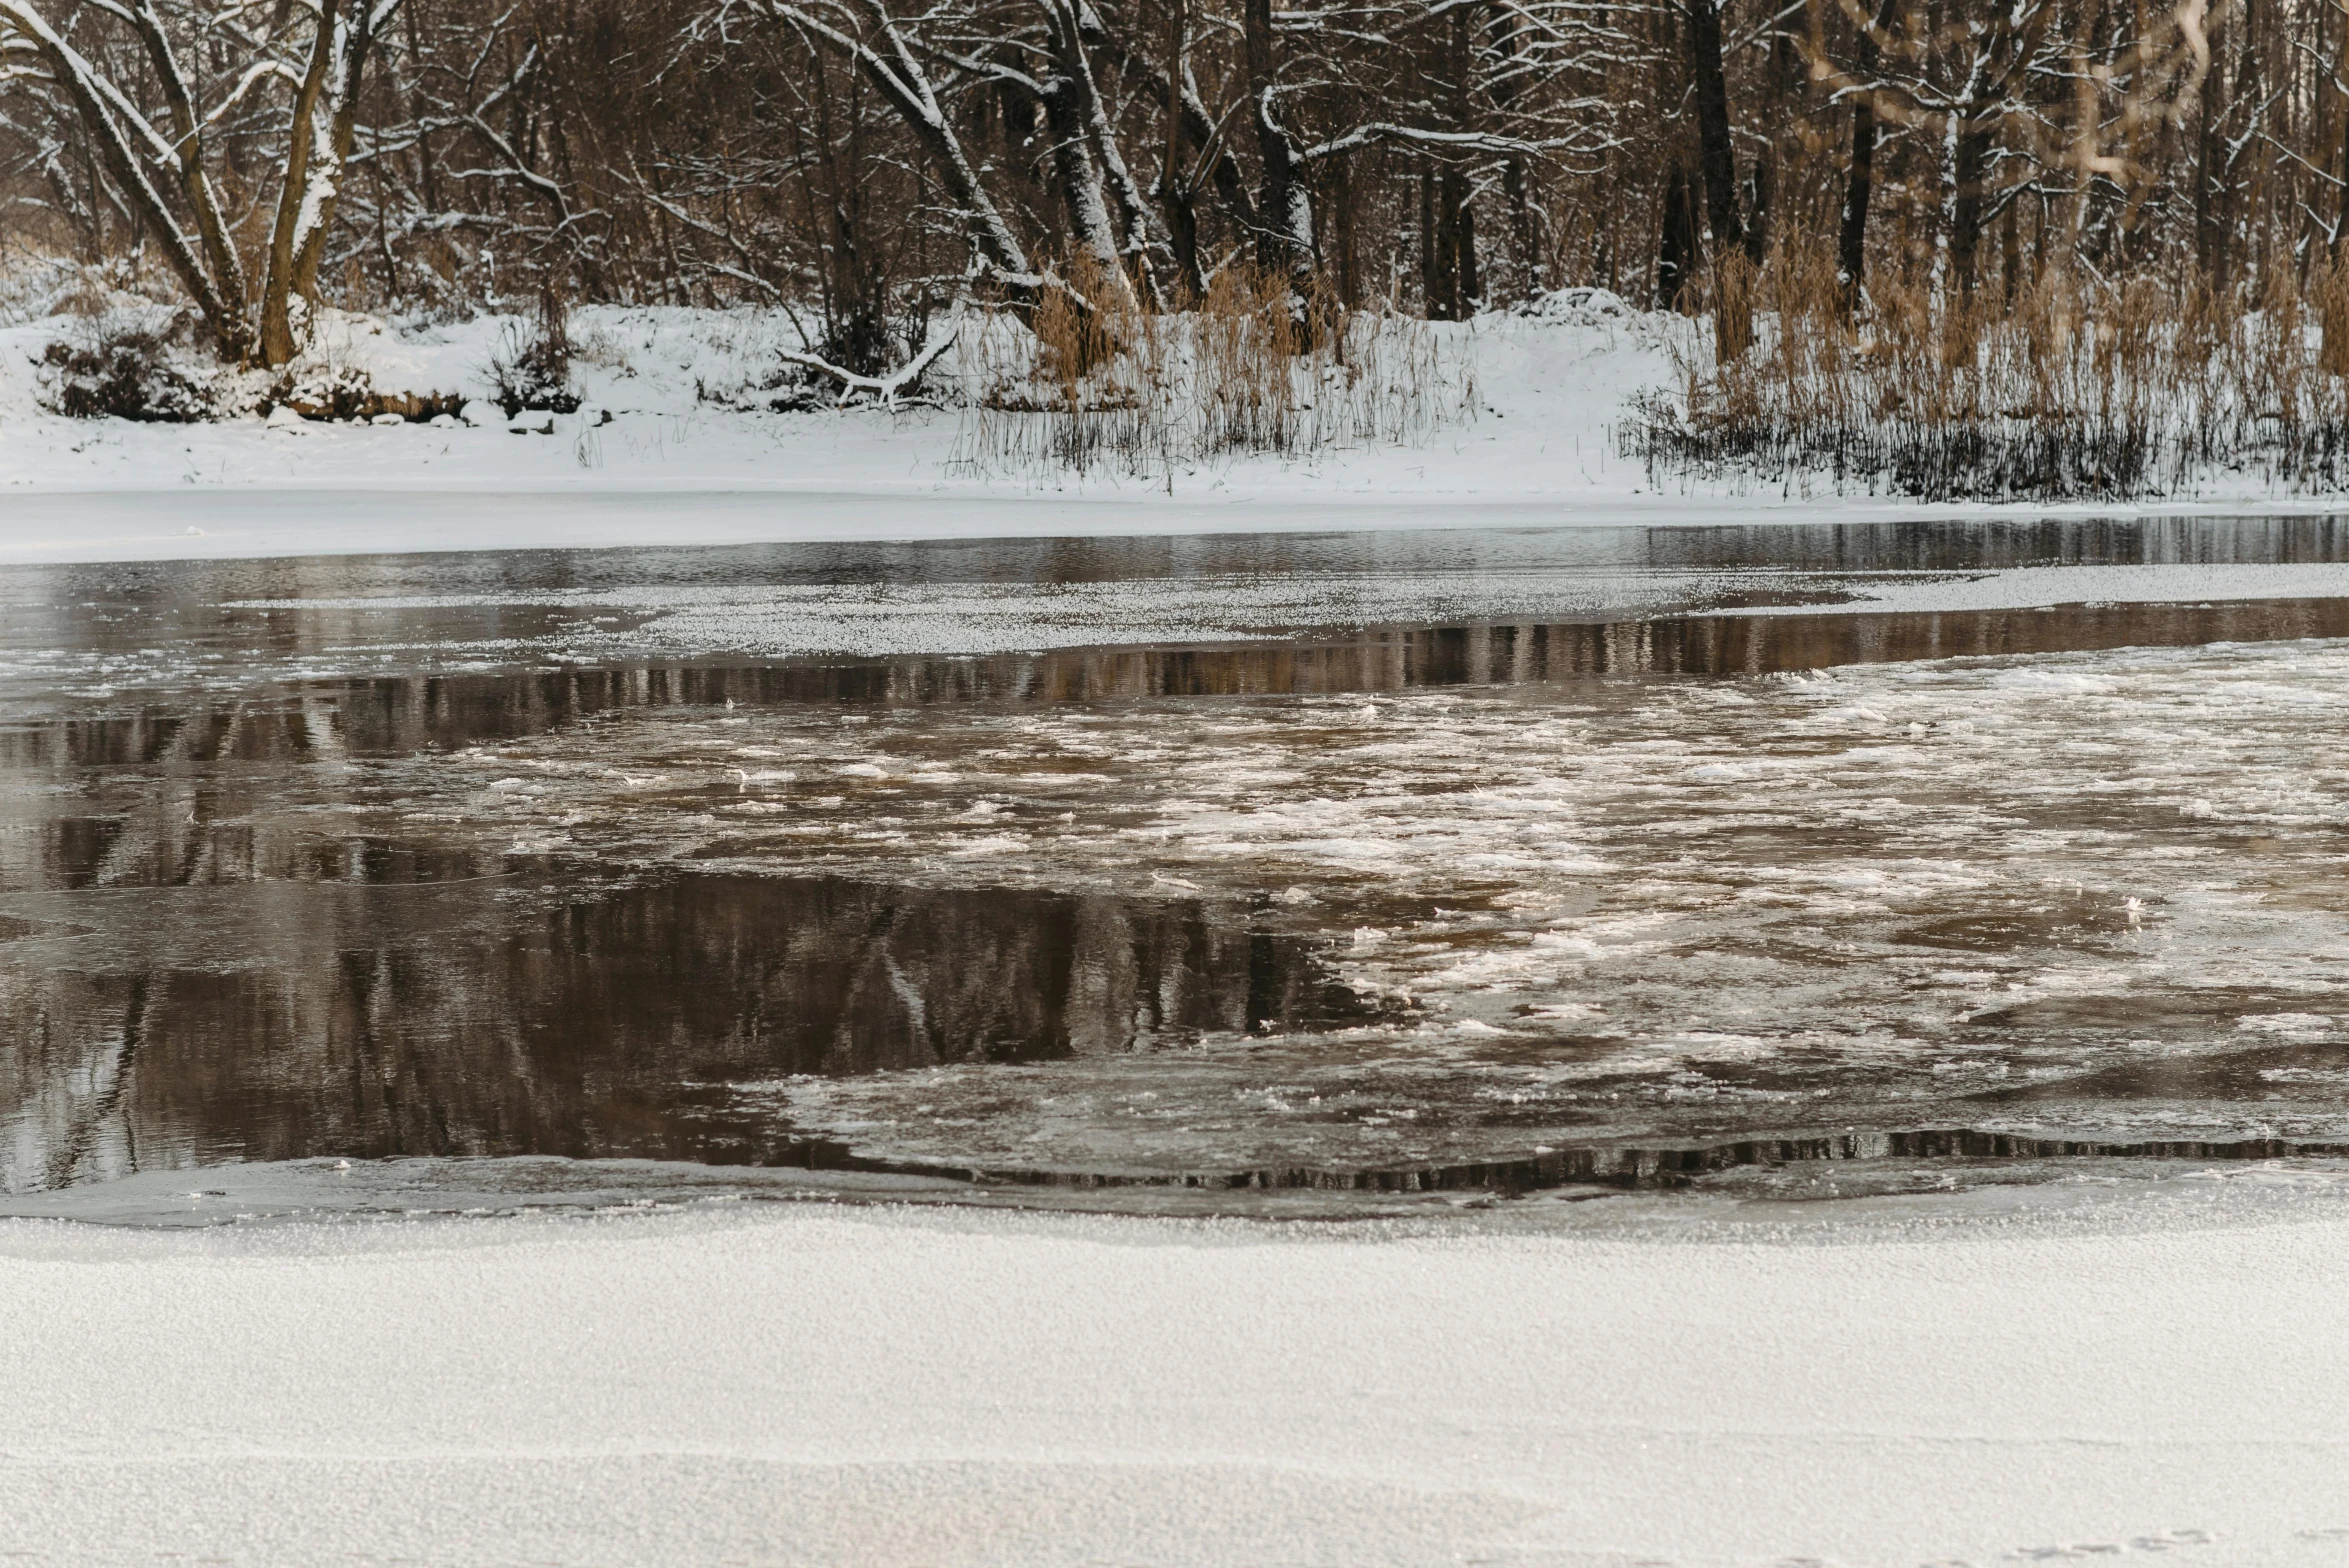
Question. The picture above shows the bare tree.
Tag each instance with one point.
(160, 159)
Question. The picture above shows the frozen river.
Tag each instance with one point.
(1289, 874)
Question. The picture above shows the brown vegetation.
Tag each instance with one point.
(1142, 393)
(2077, 387)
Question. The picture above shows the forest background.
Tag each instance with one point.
(2100, 236)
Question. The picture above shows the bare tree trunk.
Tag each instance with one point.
(1716, 157)
(1676, 255)
(87, 92)
(278, 344)
(1130, 235)
(1471, 274)
(1343, 202)
(1176, 193)
(1969, 161)
(1433, 303)
(1284, 211)
(427, 166)
(187, 129)
(1782, 101)
(1524, 229)
(2341, 207)
(1732, 319)
(1090, 230)
(1182, 224)
(2010, 259)
(1448, 245)
(1459, 216)
(1196, 137)
(1860, 179)
(2209, 242)
(855, 314)
(333, 156)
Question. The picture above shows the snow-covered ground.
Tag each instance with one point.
(1536, 400)
(1535, 403)
(899, 1387)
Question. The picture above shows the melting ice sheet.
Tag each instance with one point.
(1312, 874)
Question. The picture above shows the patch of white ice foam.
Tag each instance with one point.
(2033, 587)
(975, 618)
(1523, 850)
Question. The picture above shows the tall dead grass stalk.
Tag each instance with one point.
(1116, 389)
(2079, 389)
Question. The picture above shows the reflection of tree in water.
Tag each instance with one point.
(290, 720)
(479, 1019)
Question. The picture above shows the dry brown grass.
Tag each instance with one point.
(1108, 387)
(2080, 389)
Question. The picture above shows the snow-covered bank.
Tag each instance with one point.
(896, 1387)
(683, 460)
(683, 391)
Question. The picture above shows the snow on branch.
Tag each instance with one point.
(885, 389)
(1463, 141)
(254, 76)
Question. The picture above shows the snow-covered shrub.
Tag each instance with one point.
(858, 335)
(125, 366)
(333, 390)
(531, 374)
(1581, 303)
(782, 389)
(534, 372)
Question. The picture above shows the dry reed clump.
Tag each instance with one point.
(1097, 384)
(2078, 389)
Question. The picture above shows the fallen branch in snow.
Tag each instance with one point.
(884, 388)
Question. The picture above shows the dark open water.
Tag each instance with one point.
(1174, 873)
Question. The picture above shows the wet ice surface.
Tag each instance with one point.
(73, 632)
(1215, 874)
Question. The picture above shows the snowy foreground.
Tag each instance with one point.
(903, 1387)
